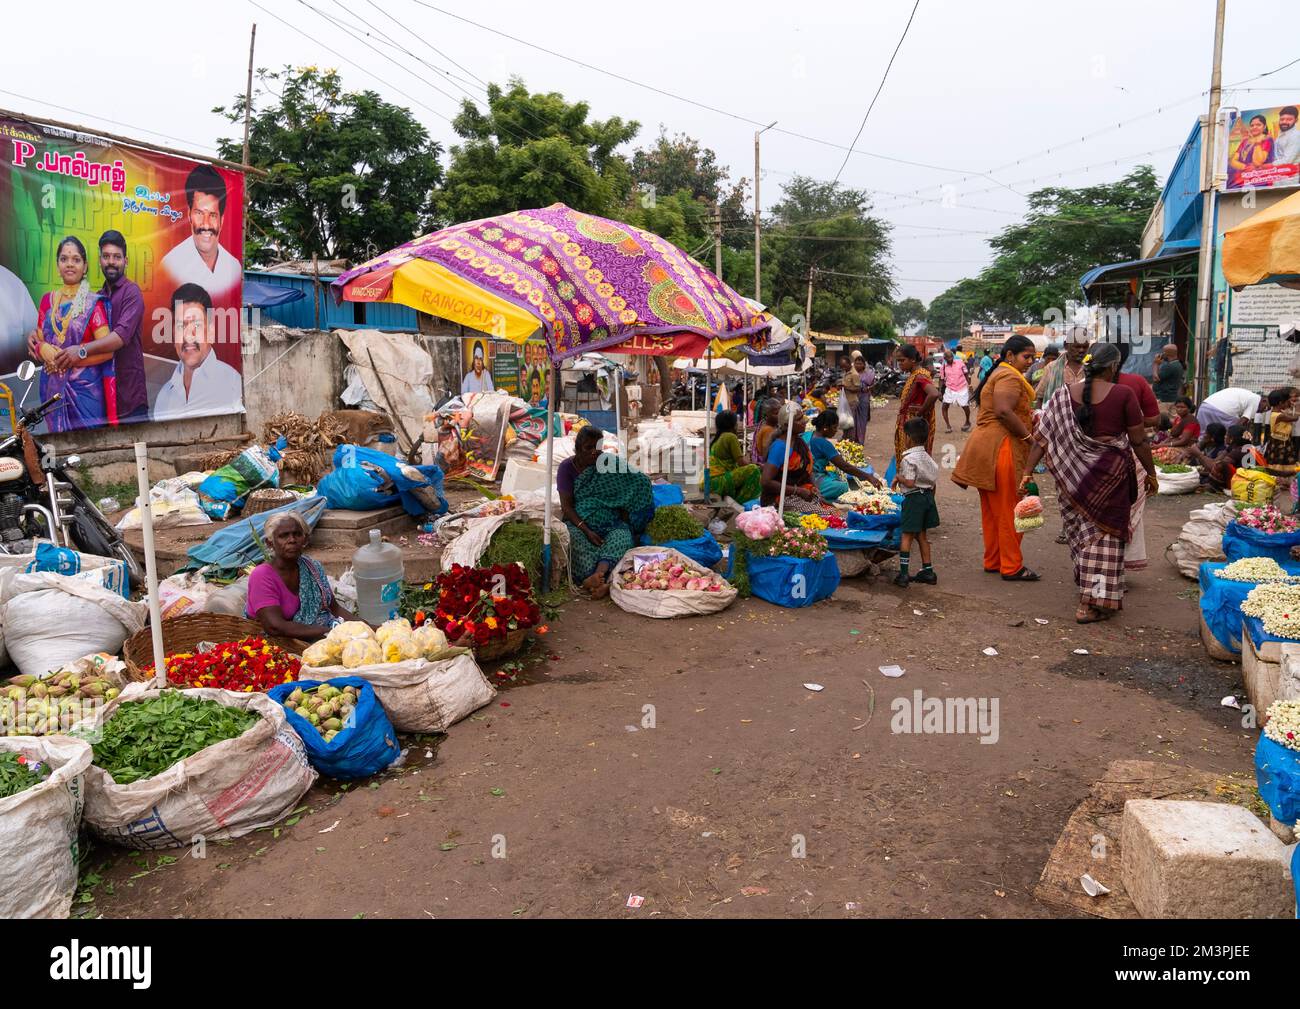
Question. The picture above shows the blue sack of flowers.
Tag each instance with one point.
(793, 581)
(364, 746)
(1277, 775)
(1242, 541)
(703, 550)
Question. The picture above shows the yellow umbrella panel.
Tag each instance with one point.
(1266, 247)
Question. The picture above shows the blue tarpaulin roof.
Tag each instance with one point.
(261, 295)
(1131, 266)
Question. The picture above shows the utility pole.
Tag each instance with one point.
(758, 220)
(717, 241)
(248, 91)
(1205, 261)
(807, 315)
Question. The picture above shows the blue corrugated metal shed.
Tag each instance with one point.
(1182, 193)
(349, 315)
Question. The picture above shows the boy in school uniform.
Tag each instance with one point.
(917, 474)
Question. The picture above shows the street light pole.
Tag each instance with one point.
(1205, 264)
(758, 221)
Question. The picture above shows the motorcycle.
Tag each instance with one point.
(40, 501)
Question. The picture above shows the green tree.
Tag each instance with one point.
(348, 174)
(531, 150)
(1066, 232)
(951, 313)
(681, 163)
(826, 228)
(908, 312)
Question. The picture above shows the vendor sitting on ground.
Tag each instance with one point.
(606, 505)
(1186, 430)
(289, 595)
(1219, 454)
(826, 426)
(729, 475)
(801, 496)
(766, 430)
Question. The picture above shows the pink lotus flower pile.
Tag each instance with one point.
(669, 576)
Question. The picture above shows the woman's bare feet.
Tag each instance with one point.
(594, 583)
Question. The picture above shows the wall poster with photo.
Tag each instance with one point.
(121, 277)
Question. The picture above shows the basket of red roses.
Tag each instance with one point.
(487, 609)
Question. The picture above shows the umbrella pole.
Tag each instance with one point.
(708, 420)
(150, 564)
(785, 465)
(550, 483)
(618, 414)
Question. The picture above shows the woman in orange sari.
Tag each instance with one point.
(917, 399)
(995, 454)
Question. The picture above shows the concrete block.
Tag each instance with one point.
(1261, 671)
(1203, 860)
(1289, 680)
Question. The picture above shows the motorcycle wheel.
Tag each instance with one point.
(94, 535)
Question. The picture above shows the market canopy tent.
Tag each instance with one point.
(584, 282)
(1265, 248)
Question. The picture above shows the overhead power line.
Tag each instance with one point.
(881, 87)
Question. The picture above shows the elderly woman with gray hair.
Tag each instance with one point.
(289, 595)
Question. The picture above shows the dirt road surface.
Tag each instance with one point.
(752, 795)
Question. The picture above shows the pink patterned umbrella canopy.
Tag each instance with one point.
(591, 282)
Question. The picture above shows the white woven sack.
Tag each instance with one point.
(38, 830)
(420, 695)
(671, 602)
(225, 790)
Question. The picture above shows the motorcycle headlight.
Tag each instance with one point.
(72, 462)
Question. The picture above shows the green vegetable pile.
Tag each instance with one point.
(144, 738)
(673, 522)
(17, 773)
(1173, 467)
(516, 543)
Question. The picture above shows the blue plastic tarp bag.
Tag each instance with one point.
(226, 489)
(857, 520)
(703, 550)
(1254, 626)
(1277, 775)
(366, 479)
(234, 546)
(854, 539)
(111, 574)
(1241, 541)
(1221, 601)
(793, 581)
(365, 748)
(667, 494)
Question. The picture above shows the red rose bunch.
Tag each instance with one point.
(483, 604)
(252, 664)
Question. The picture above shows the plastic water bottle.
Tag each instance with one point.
(379, 570)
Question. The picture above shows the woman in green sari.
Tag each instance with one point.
(606, 505)
(729, 474)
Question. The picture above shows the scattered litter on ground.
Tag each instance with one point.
(990, 651)
(815, 687)
(635, 900)
(894, 671)
(1091, 887)
(1231, 702)
(1082, 651)
(330, 827)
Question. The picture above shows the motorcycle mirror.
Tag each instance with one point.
(26, 371)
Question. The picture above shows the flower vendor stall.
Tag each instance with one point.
(790, 566)
(1270, 620)
(1263, 531)
(1224, 587)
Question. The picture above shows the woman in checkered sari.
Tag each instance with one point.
(1089, 434)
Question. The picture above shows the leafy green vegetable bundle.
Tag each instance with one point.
(1173, 467)
(673, 522)
(144, 738)
(17, 773)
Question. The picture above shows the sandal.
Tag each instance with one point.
(1023, 575)
(1062, 539)
(1087, 615)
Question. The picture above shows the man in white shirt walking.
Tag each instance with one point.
(200, 259)
(202, 385)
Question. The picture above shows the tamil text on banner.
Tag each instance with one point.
(1263, 149)
(120, 276)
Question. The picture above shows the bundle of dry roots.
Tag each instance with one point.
(306, 458)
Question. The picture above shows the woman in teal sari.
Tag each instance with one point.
(825, 455)
(606, 506)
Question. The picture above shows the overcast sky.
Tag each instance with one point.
(978, 87)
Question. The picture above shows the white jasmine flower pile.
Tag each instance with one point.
(1255, 569)
(869, 502)
(1283, 724)
(1277, 604)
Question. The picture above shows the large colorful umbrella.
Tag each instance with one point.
(1265, 248)
(584, 282)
